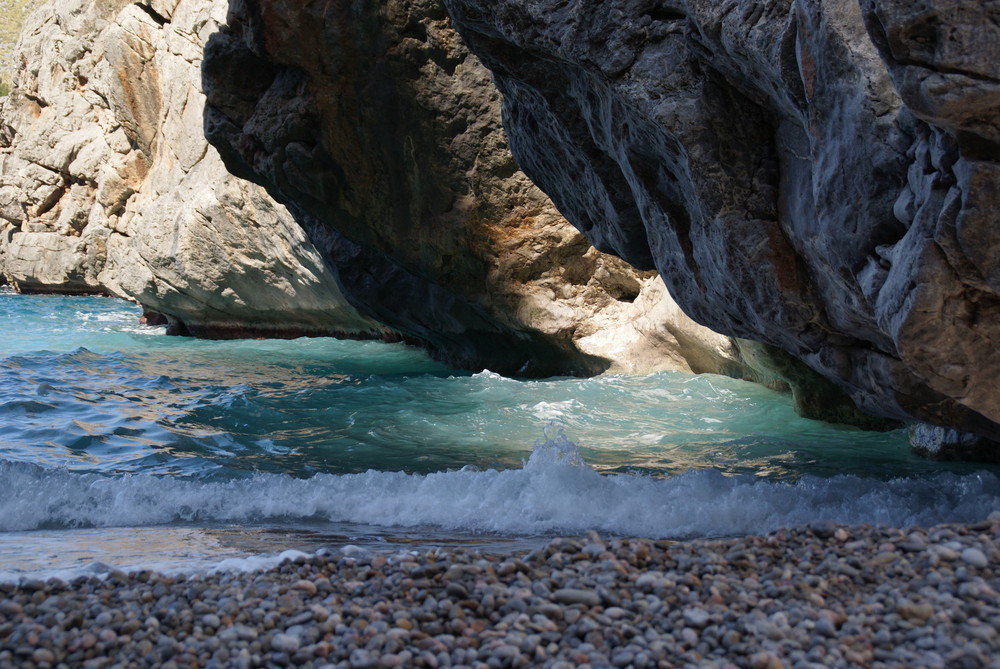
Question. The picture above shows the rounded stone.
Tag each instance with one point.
(43, 655)
(285, 643)
(975, 557)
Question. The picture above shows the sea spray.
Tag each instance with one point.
(554, 492)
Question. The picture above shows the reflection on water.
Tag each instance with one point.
(194, 408)
(76, 551)
(83, 387)
(171, 549)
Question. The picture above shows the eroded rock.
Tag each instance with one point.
(382, 133)
(109, 186)
(389, 148)
(817, 175)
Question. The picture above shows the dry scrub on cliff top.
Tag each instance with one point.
(12, 13)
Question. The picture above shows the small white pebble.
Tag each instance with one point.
(975, 557)
(285, 643)
(696, 617)
(944, 552)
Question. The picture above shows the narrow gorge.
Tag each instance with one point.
(110, 186)
(814, 180)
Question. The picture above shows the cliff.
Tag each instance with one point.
(818, 175)
(380, 131)
(12, 15)
(108, 184)
(419, 222)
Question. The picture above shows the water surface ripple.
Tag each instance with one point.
(107, 424)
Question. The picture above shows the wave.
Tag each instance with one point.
(553, 492)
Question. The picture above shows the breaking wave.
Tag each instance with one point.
(554, 492)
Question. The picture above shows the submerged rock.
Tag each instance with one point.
(818, 176)
(940, 443)
(109, 186)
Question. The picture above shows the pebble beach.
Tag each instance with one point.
(822, 596)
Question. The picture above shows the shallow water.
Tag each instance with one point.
(123, 446)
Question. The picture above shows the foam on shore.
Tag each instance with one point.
(554, 493)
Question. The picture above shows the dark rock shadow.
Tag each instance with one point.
(364, 121)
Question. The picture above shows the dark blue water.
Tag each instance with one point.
(120, 444)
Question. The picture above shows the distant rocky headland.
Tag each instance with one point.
(816, 181)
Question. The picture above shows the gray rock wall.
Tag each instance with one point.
(818, 175)
(107, 184)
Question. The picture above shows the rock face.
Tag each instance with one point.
(819, 175)
(109, 186)
(382, 133)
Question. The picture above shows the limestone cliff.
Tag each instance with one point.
(108, 184)
(819, 175)
(382, 133)
(397, 168)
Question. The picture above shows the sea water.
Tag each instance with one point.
(121, 447)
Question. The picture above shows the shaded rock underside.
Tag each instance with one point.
(820, 176)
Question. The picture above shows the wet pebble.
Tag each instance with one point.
(827, 595)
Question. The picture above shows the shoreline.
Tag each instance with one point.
(827, 595)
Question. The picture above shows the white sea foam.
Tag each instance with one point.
(554, 492)
(68, 554)
(255, 562)
(550, 411)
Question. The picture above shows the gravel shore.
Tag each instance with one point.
(825, 596)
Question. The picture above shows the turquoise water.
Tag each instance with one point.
(123, 446)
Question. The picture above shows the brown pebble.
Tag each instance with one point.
(43, 655)
(765, 660)
(305, 586)
(11, 609)
(911, 611)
